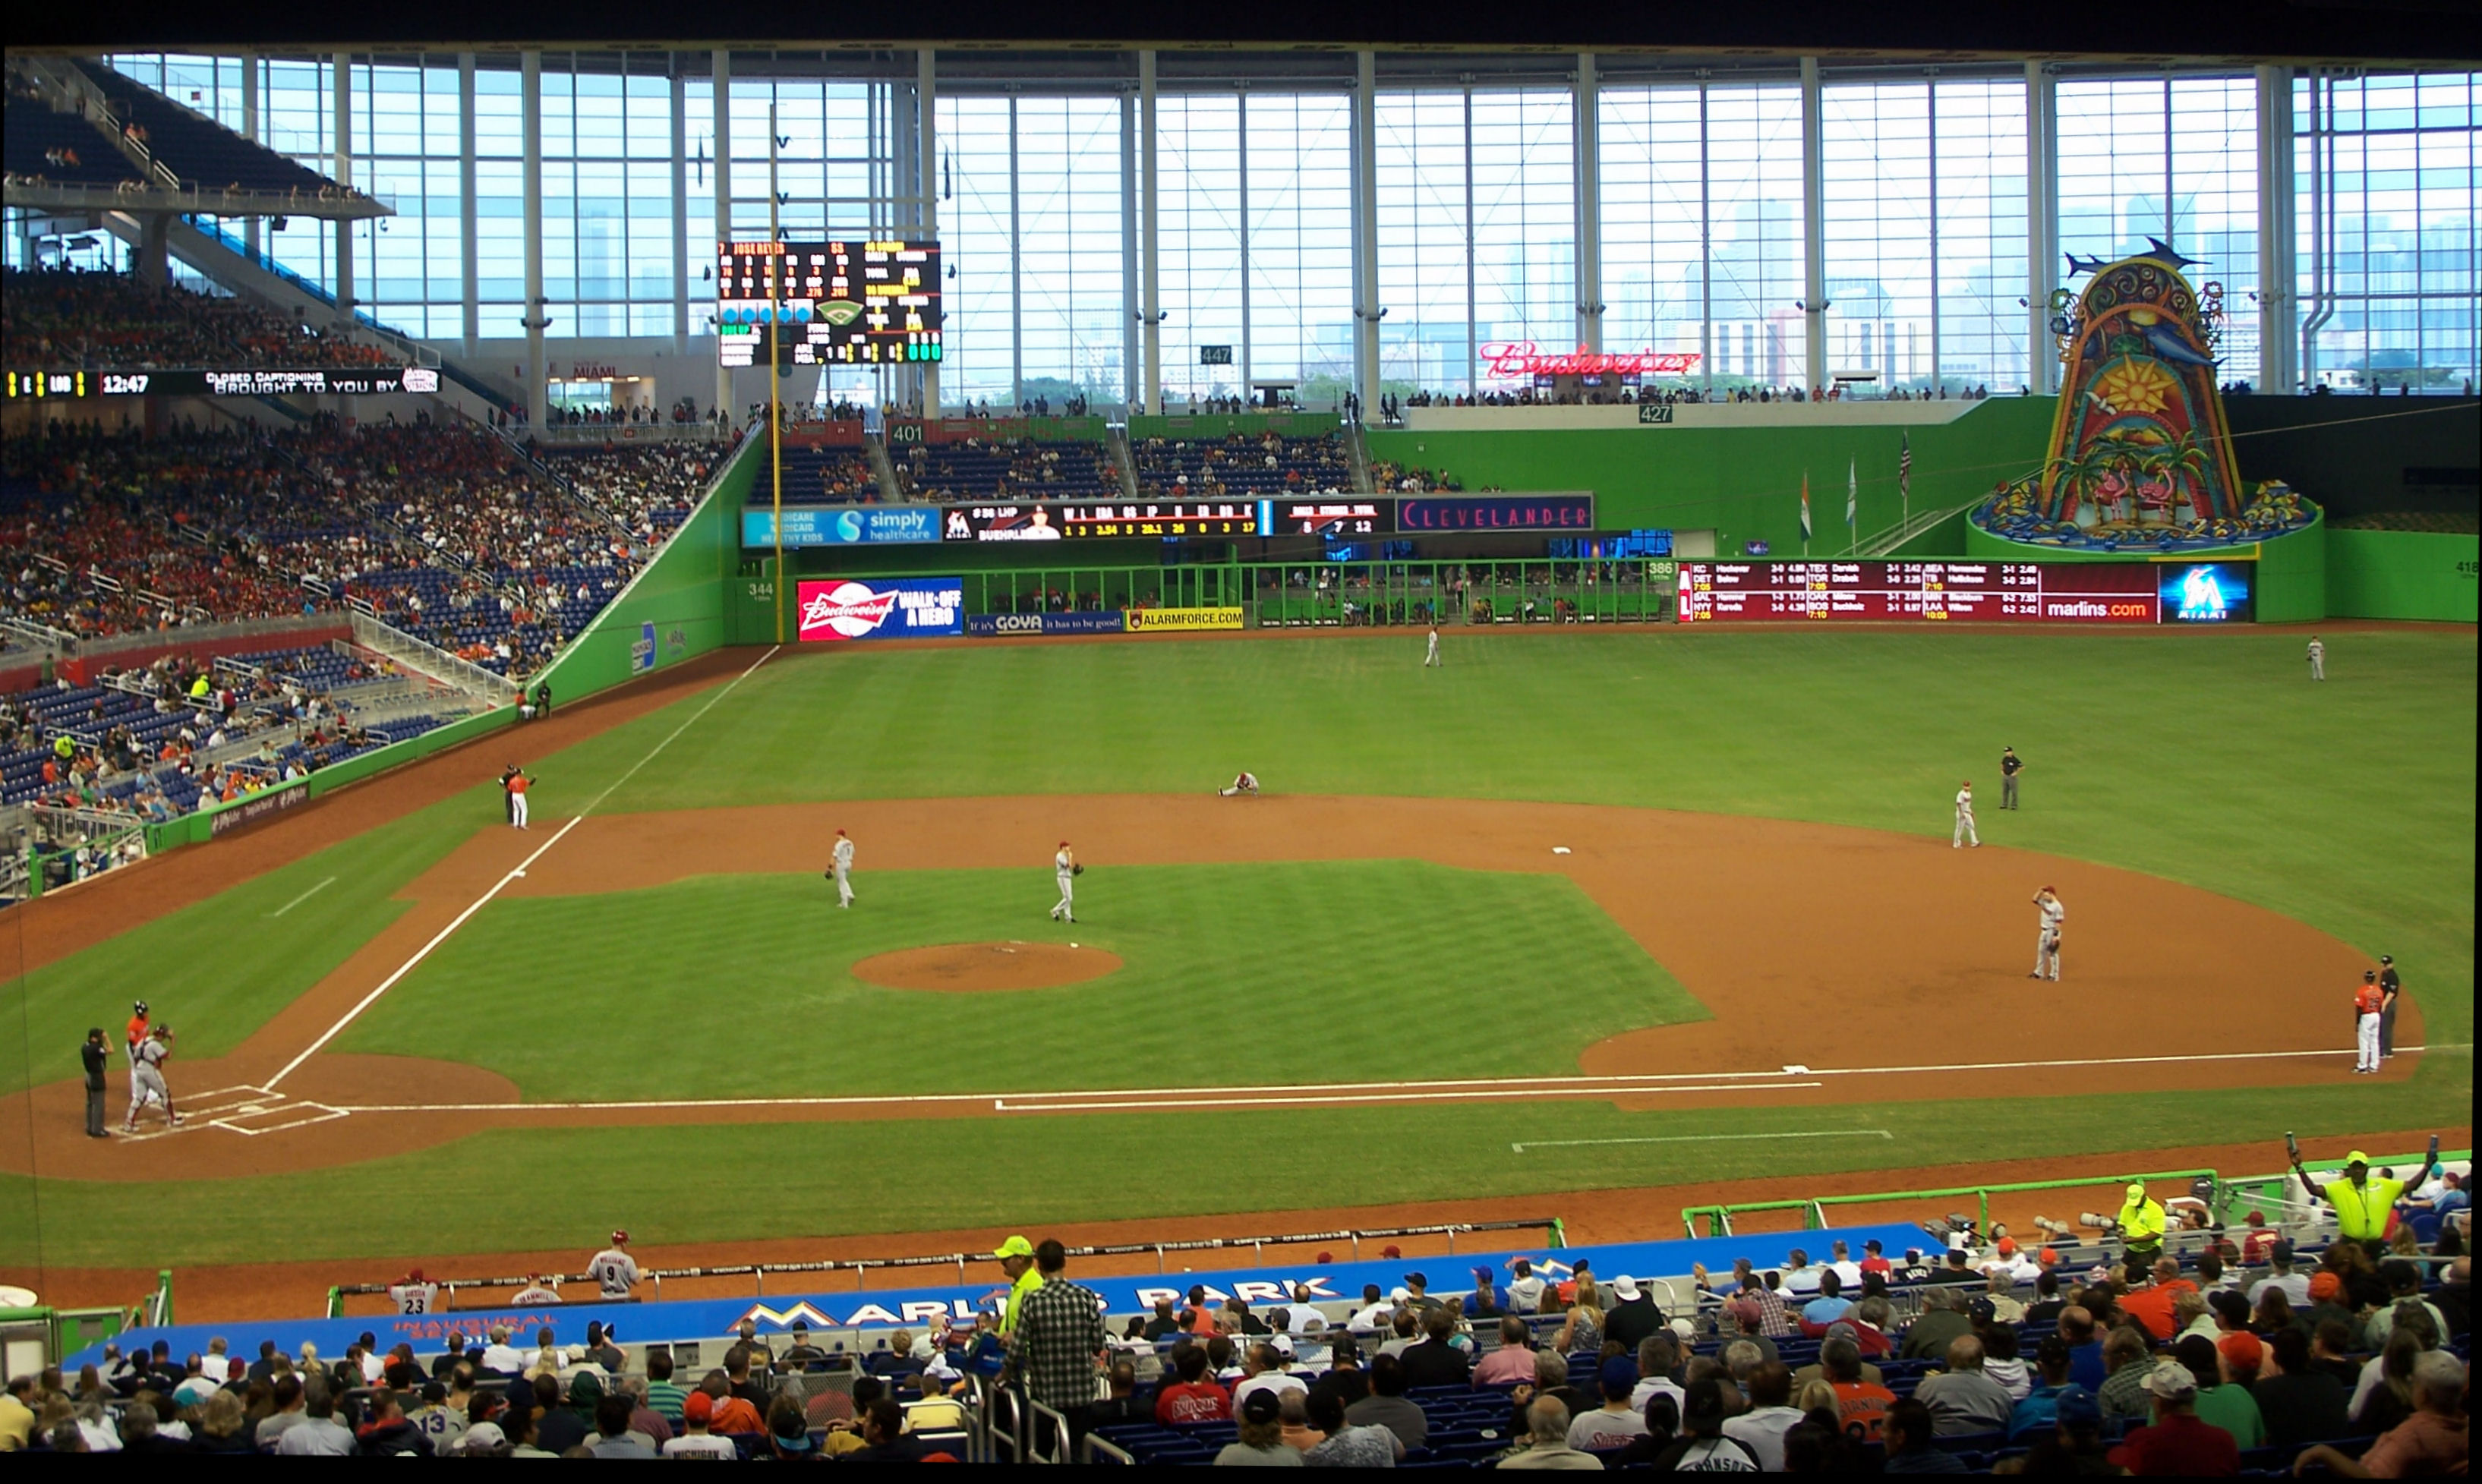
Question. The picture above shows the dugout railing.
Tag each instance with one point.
(1163, 1252)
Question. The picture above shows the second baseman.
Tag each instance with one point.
(2046, 941)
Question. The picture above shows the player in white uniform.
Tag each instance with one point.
(413, 1294)
(843, 871)
(613, 1270)
(1964, 833)
(2047, 940)
(146, 1077)
(1064, 869)
(2317, 659)
(1430, 648)
(1242, 783)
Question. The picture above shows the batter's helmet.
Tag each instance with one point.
(140, 1006)
(619, 1239)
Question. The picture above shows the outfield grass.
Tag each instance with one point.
(1231, 973)
(2206, 757)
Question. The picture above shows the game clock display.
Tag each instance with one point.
(1967, 591)
(837, 302)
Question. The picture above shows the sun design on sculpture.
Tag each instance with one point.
(2135, 387)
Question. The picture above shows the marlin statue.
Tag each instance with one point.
(2156, 250)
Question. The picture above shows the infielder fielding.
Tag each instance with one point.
(842, 870)
(1964, 833)
(1065, 870)
(146, 1075)
(1430, 649)
(1245, 782)
(2046, 941)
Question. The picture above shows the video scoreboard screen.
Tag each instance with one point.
(1968, 591)
(1080, 520)
(254, 381)
(1328, 517)
(844, 304)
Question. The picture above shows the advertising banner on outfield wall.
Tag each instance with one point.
(257, 807)
(1496, 512)
(989, 625)
(878, 525)
(839, 608)
(1263, 1285)
(1167, 620)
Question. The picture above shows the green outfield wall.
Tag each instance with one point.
(2291, 569)
(2402, 574)
(1744, 483)
(677, 608)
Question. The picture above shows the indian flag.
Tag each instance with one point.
(1805, 508)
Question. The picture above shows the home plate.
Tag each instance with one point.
(1560, 850)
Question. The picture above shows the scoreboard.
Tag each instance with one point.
(1970, 591)
(845, 303)
(1074, 520)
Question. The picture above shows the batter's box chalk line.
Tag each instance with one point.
(247, 1110)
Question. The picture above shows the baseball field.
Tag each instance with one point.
(1547, 920)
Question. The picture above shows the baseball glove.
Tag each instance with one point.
(1077, 869)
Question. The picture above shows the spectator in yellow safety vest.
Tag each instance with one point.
(2364, 1203)
(2141, 1223)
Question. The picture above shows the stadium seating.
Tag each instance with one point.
(62, 319)
(824, 476)
(1008, 469)
(202, 153)
(1270, 464)
(62, 150)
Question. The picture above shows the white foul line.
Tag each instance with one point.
(1704, 1138)
(1143, 1099)
(421, 953)
(305, 897)
(479, 902)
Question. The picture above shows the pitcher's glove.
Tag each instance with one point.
(1077, 869)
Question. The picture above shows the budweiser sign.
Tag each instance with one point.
(1507, 359)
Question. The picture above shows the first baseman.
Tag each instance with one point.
(2367, 1002)
(842, 870)
(1065, 869)
(146, 1075)
(2046, 941)
(515, 781)
(1965, 832)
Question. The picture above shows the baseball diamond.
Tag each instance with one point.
(1218, 793)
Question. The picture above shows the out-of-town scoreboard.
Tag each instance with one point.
(840, 303)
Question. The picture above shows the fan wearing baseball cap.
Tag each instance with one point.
(2364, 1203)
(2175, 1442)
(1016, 1256)
(2141, 1224)
(613, 1270)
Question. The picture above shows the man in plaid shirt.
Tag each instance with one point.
(1059, 1336)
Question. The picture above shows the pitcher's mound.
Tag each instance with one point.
(979, 966)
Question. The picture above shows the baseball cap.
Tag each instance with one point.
(2387, 958)
(2241, 1350)
(1325, 1257)
(697, 1407)
(1416, 1281)
(2357, 1158)
(1391, 1250)
(2076, 1407)
(1625, 1286)
(621, 1239)
(1981, 1310)
(1482, 1273)
(413, 1276)
(2255, 1218)
(1744, 1310)
(2280, 1249)
(2007, 1246)
(2047, 1256)
(1015, 1247)
(1872, 1245)
(2325, 1286)
(2172, 1382)
(1618, 1370)
(1262, 1406)
(484, 1434)
(2136, 1191)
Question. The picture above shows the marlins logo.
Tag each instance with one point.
(847, 610)
(801, 1313)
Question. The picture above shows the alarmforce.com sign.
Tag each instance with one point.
(1192, 620)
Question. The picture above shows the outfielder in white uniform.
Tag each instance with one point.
(1242, 783)
(1064, 868)
(1965, 834)
(2317, 659)
(146, 1078)
(1430, 649)
(843, 871)
(2047, 939)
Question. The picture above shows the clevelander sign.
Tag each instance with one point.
(839, 609)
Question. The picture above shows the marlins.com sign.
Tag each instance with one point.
(843, 609)
(1164, 620)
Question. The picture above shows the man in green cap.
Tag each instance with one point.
(2141, 1223)
(1017, 1260)
(2363, 1203)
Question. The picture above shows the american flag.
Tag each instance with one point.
(1904, 468)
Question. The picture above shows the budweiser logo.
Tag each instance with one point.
(1524, 358)
(848, 609)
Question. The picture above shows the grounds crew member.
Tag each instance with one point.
(2141, 1224)
(1017, 1260)
(2364, 1203)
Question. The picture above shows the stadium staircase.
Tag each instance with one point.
(1887, 542)
(1124, 462)
(891, 489)
(1360, 453)
(431, 661)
